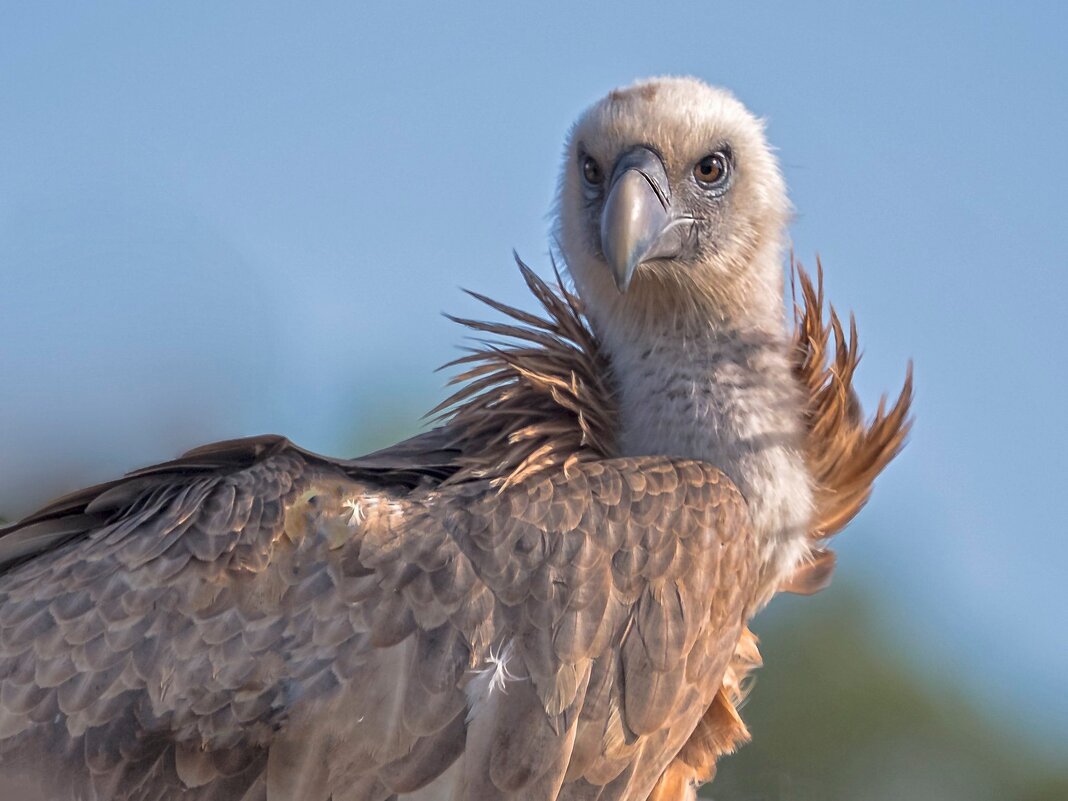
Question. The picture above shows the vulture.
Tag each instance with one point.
(544, 596)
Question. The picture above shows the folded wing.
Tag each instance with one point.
(258, 622)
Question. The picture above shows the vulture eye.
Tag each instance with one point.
(712, 169)
(591, 171)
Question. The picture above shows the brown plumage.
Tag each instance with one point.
(544, 597)
(206, 632)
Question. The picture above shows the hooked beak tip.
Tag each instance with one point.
(623, 273)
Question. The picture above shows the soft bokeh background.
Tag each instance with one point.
(226, 220)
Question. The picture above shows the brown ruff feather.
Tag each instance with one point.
(844, 452)
(535, 397)
(539, 397)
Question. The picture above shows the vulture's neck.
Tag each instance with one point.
(727, 395)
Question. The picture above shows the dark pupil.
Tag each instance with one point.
(708, 168)
(591, 170)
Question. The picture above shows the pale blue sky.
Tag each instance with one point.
(224, 221)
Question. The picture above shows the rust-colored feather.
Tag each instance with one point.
(844, 452)
(534, 398)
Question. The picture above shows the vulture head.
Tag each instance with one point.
(672, 207)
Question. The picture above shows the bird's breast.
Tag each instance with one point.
(735, 407)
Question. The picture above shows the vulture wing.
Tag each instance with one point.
(256, 622)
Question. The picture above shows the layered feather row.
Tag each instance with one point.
(538, 396)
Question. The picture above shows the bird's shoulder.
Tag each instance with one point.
(231, 489)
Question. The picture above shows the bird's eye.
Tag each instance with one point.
(712, 169)
(591, 171)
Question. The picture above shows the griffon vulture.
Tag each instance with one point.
(546, 596)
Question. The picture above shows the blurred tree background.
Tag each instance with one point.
(841, 712)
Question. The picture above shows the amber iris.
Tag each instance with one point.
(711, 169)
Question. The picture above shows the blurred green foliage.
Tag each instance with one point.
(841, 712)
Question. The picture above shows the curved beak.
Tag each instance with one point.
(637, 223)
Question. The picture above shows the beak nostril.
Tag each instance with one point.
(659, 190)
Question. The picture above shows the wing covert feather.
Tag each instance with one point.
(606, 570)
(222, 631)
